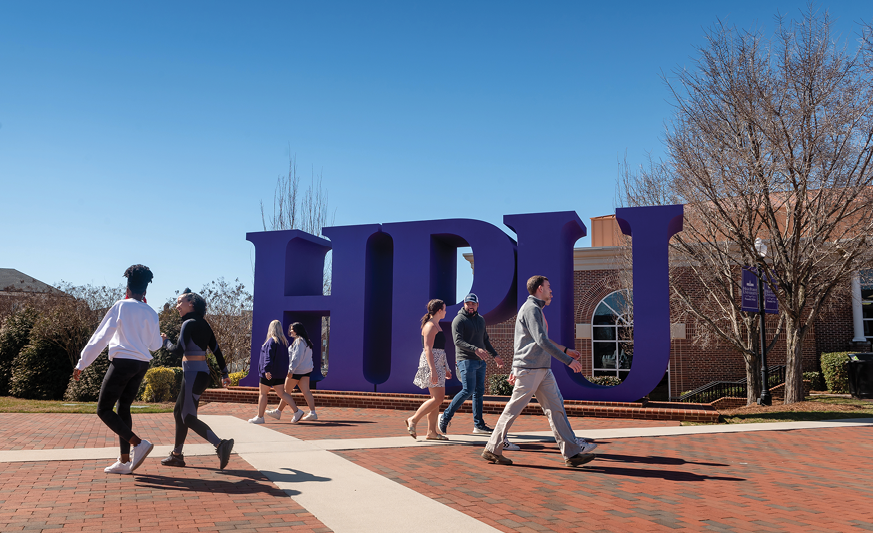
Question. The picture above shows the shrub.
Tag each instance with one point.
(171, 324)
(498, 385)
(87, 389)
(159, 384)
(834, 366)
(606, 381)
(815, 380)
(40, 371)
(235, 377)
(14, 335)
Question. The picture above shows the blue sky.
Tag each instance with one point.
(150, 132)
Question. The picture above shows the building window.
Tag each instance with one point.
(867, 302)
(612, 335)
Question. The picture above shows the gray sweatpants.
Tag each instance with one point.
(540, 382)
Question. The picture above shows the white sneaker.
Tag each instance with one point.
(256, 420)
(310, 416)
(118, 468)
(297, 416)
(587, 447)
(274, 413)
(139, 453)
(508, 446)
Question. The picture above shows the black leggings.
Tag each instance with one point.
(120, 385)
(193, 385)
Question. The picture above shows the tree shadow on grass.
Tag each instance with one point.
(248, 482)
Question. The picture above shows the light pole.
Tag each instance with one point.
(765, 398)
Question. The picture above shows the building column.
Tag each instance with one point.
(857, 309)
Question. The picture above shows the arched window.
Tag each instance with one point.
(612, 335)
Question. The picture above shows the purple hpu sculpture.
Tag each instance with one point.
(383, 275)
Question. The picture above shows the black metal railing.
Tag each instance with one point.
(735, 389)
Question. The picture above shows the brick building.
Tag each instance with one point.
(604, 333)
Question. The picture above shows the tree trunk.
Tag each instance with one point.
(753, 379)
(793, 362)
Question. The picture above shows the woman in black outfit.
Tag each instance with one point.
(194, 338)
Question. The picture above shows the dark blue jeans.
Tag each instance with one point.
(472, 376)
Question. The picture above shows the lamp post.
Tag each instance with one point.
(765, 398)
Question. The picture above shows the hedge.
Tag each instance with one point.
(835, 367)
(87, 389)
(498, 385)
(815, 380)
(40, 371)
(159, 385)
(235, 377)
(606, 381)
(14, 335)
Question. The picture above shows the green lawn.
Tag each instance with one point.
(17, 405)
(812, 409)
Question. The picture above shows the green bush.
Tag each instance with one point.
(606, 381)
(815, 381)
(87, 389)
(40, 371)
(171, 324)
(835, 367)
(235, 377)
(498, 385)
(159, 384)
(14, 335)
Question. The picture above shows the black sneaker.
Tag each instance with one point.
(223, 450)
(174, 460)
(483, 430)
(580, 459)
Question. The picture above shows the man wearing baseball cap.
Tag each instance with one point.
(471, 346)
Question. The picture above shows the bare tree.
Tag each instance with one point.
(309, 212)
(68, 321)
(230, 315)
(770, 139)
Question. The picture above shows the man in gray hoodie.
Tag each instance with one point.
(531, 367)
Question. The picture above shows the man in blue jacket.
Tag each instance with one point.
(471, 346)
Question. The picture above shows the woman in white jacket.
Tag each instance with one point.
(299, 370)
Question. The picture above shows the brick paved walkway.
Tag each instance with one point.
(806, 480)
(802, 480)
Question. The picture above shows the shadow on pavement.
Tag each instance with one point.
(669, 475)
(251, 482)
(652, 460)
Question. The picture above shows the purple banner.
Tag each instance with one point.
(771, 303)
(750, 291)
(750, 301)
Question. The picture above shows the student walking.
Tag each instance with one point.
(586, 445)
(272, 370)
(194, 338)
(433, 370)
(531, 366)
(299, 371)
(471, 346)
(130, 329)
